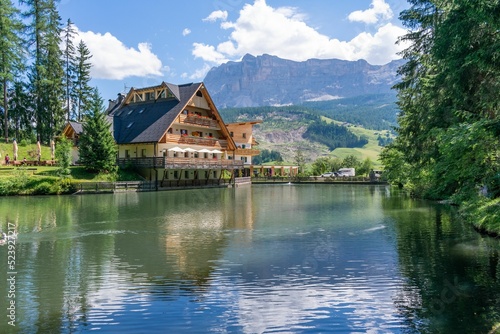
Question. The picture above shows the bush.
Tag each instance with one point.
(64, 186)
(43, 188)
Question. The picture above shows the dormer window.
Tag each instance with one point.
(130, 125)
(131, 111)
(198, 93)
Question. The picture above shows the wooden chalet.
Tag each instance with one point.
(72, 132)
(175, 133)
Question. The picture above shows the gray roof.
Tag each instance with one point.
(77, 127)
(147, 122)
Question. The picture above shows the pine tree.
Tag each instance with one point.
(11, 54)
(69, 33)
(47, 74)
(81, 88)
(97, 146)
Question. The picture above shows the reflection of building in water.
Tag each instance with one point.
(212, 224)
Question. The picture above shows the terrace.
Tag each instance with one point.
(180, 163)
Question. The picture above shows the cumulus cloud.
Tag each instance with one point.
(111, 59)
(283, 32)
(379, 10)
(186, 32)
(216, 15)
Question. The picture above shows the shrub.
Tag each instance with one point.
(64, 186)
(43, 188)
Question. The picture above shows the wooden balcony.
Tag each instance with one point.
(202, 141)
(180, 163)
(247, 151)
(199, 121)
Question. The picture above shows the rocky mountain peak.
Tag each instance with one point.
(269, 80)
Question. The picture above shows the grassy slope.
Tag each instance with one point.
(287, 139)
(78, 173)
(23, 151)
(370, 150)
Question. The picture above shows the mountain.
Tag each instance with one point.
(268, 80)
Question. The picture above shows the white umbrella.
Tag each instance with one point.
(204, 150)
(52, 149)
(176, 149)
(216, 151)
(14, 144)
(189, 149)
(39, 149)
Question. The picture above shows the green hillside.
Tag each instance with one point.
(288, 129)
(377, 112)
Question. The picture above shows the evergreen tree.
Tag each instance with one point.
(11, 55)
(81, 88)
(97, 146)
(47, 74)
(21, 112)
(69, 64)
(300, 161)
(63, 155)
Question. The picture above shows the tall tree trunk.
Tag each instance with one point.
(6, 111)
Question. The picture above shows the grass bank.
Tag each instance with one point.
(484, 214)
(47, 181)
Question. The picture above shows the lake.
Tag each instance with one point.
(254, 259)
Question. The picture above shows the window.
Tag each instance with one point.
(244, 135)
(143, 153)
(129, 125)
(176, 174)
(198, 93)
(127, 154)
(131, 111)
(186, 174)
(215, 174)
(169, 130)
(231, 134)
(141, 111)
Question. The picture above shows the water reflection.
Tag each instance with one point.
(252, 260)
(451, 271)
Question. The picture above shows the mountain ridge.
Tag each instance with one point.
(272, 81)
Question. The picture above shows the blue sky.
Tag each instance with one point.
(139, 44)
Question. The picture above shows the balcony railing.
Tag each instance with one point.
(180, 163)
(200, 121)
(202, 141)
(247, 151)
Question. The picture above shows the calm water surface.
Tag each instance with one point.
(261, 259)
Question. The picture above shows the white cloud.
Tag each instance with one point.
(282, 32)
(113, 60)
(200, 73)
(186, 31)
(208, 53)
(379, 10)
(216, 15)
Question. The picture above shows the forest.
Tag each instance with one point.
(44, 74)
(333, 135)
(447, 145)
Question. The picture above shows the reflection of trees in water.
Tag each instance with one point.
(450, 269)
